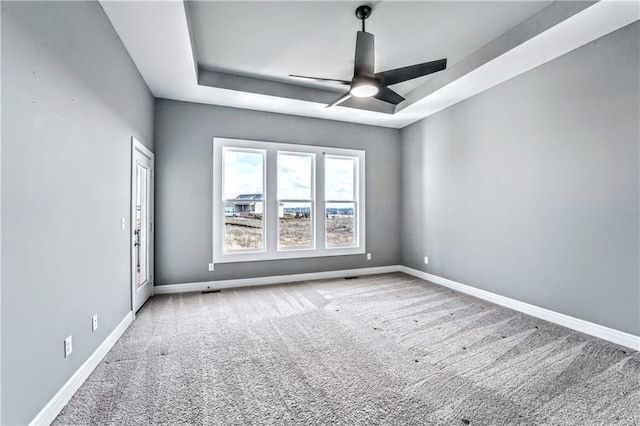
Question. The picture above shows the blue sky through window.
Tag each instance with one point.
(294, 176)
(244, 174)
(339, 179)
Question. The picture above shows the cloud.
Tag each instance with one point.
(243, 173)
(294, 176)
(339, 179)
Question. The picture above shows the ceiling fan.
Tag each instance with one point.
(368, 83)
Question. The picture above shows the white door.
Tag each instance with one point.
(141, 224)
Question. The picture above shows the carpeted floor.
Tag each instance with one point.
(387, 349)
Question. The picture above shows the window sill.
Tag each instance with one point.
(288, 254)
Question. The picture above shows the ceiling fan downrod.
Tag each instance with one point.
(363, 12)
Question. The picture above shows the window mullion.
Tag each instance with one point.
(320, 204)
(360, 197)
(271, 210)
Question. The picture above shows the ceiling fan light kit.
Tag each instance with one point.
(364, 91)
(364, 88)
(366, 82)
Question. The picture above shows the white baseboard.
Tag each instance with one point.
(60, 399)
(277, 279)
(596, 330)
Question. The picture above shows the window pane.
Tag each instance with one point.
(294, 176)
(243, 173)
(340, 224)
(294, 225)
(339, 179)
(244, 225)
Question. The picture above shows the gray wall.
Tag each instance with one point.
(184, 181)
(71, 100)
(531, 189)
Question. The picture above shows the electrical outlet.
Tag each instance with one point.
(211, 267)
(426, 260)
(368, 256)
(68, 347)
(94, 323)
(123, 224)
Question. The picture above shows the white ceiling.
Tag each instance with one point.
(487, 43)
(317, 38)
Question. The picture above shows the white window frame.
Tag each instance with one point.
(270, 200)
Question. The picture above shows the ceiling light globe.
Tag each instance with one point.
(364, 91)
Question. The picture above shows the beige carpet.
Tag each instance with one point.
(387, 349)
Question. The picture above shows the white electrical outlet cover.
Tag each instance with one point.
(426, 260)
(94, 323)
(211, 267)
(68, 346)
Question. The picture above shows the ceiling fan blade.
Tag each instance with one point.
(340, 100)
(365, 55)
(388, 95)
(399, 75)
(326, 80)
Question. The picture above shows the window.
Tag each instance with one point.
(280, 201)
(295, 200)
(243, 189)
(340, 201)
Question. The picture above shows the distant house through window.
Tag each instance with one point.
(253, 204)
(277, 201)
